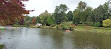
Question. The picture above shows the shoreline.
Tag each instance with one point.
(104, 30)
(86, 29)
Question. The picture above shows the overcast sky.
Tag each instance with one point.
(41, 5)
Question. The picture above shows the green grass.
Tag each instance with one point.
(20, 26)
(1, 46)
(106, 30)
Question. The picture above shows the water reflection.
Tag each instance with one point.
(91, 40)
(28, 38)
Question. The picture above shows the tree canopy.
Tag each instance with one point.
(11, 10)
(59, 14)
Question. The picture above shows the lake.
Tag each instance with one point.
(35, 38)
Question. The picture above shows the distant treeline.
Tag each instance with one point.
(83, 14)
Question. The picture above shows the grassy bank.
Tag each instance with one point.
(44, 27)
(106, 30)
(1, 46)
(93, 29)
(20, 26)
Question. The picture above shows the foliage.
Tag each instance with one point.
(38, 19)
(97, 24)
(76, 21)
(34, 21)
(21, 21)
(59, 13)
(106, 23)
(81, 6)
(70, 16)
(66, 25)
(51, 20)
(11, 10)
(86, 15)
(79, 13)
(27, 20)
(44, 16)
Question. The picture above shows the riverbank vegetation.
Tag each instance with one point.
(83, 15)
(105, 30)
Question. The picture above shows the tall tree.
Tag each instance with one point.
(79, 13)
(38, 19)
(88, 15)
(44, 16)
(76, 18)
(82, 6)
(69, 16)
(59, 13)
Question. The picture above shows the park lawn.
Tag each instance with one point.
(93, 29)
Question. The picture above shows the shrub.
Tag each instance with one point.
(76, 21)
(97, 24)
(66, 25)
(106, 23)
(52, 25)
(89, 23)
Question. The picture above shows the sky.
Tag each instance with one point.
(41, 5)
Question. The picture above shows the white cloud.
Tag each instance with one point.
(41, 5)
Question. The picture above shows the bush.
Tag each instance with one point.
(66, 25)
(76, 21)
(52, 25)
(97, 24)
(106, 23)
(89, 23)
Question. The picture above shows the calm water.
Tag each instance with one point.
(25, 38)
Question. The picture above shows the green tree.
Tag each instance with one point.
(79, 13)
(76, 19)
(100, 13)
(88, 17)
(38, 19)
(70, 16)
(82, 6)
(27, 20)
(51, 20)
(44, 16)
(59, 13)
